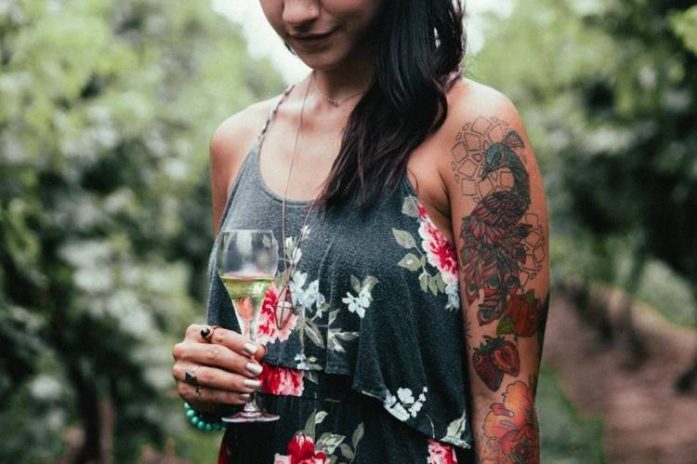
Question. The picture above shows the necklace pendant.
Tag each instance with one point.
(284, 308)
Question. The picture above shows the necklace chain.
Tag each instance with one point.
(288, 269)
(334, 102)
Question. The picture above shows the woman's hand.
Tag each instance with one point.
(214, 366)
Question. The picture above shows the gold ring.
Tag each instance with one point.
(198, 392)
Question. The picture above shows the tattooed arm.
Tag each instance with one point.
(499, 222)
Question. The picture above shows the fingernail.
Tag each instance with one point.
(245, 396)
(251, 383)
(250, 348)
(254, 368)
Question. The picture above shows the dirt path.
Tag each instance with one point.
(645, 421)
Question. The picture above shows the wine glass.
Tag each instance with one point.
(246, 262)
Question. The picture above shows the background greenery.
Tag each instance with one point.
(106, 109)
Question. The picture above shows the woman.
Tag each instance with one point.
(406, 323)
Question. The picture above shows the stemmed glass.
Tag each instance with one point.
(247, 262)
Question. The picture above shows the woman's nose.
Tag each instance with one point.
(300, 13)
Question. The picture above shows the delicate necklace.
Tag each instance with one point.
(285, 307)
(333, 102)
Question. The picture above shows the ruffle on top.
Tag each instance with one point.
(376, 297)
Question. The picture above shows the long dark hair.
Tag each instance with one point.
(419, 50)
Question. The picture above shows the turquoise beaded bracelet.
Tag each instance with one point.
(197, 420)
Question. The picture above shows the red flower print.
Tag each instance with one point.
(267, 327)
(440, 453)
(439, 251)
(301, 450)
(281, 381)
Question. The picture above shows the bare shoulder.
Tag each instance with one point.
(480, 117)
(229, 145)
(234, 135)
(469, 101)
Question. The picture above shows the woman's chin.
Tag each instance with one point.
(320, 61)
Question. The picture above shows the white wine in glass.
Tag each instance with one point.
(247, 261)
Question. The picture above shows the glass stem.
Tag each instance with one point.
(251, 405)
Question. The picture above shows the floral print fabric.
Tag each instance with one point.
(365, 299)
(332, 425)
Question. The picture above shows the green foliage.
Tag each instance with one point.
(107, 109)
(685, 26)
(565, 437)
(608, 93)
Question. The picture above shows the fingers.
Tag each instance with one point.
(235, 342)
(211, 395)
(260, 354)
(199, 333)
(216, 379)
(229, 338)
(218, 356)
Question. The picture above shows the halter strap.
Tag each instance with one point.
(272, 114)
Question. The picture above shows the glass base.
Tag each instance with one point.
(250, 416)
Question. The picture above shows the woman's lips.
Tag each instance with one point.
(312, 40)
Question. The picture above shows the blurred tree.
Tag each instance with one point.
(106, 109)
(610, 94)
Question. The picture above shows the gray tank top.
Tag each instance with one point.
(376, 297)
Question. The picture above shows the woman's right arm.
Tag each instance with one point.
(226, 365)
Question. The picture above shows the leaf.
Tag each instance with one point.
(410, 262)
(313, 333)
(506, 326)
(530, 296)
(423, 281)
(312, 377)
(347, 451)
(369, 282)
(409, 207)
(404, 238)
(355, 284)
(334, 345)
(357, 435)
(432, 285)
(328, 442)
(346, 336)
(309, 428)
(335, 335)
(321, 415)
(457, 427)
(440, 283)
(332, 316)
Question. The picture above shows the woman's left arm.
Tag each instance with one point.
(500, 228)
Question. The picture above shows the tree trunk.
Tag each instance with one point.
(88, 407)
(636, 349)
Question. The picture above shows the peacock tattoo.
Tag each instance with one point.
(493, 250)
